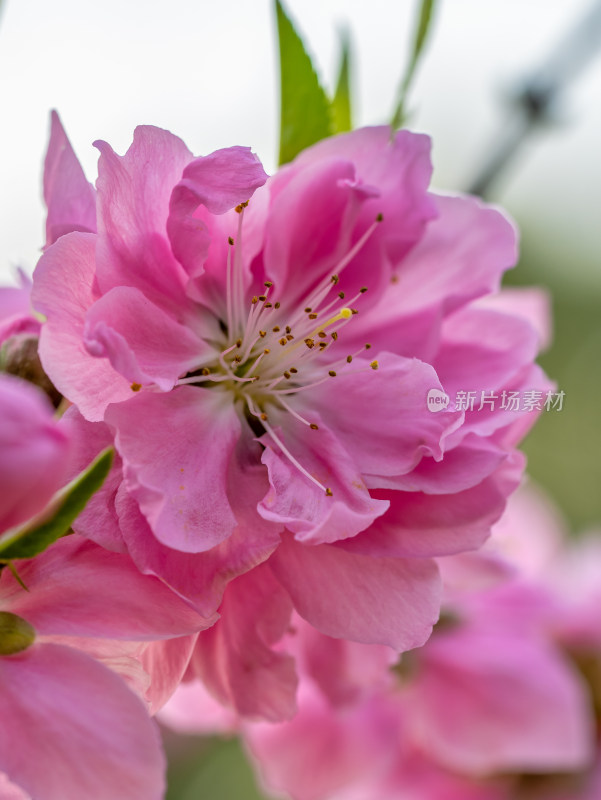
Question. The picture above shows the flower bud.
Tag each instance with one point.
(19, 356)
(16, 634)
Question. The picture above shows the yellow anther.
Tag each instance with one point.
(374, 365)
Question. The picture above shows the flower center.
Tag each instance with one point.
(271, 353)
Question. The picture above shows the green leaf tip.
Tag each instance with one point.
(341, 102)
(55, 521)
(422, 30)
(305, 111)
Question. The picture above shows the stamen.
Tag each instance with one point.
(303, 388)
(344, 314)
(238, 277)
(257, 361)
(207, 377)
(293, 460)
(222, 356)
(358, 245)
(294, 413)
(228, 285)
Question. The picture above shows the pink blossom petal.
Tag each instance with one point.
(16, 312)
(489, 351)
(217, 182)
(166, 662)
(71, 729)
(483, 349)
(496, 702)
(319, 751)
(399, 167)
(382, 416)
(391, 601)
(309, 226)
(424, 525)
(461, 256)
(344, 671)
(178, 475)
(79, 589)
(533, 304)
(463, 467)
(201, 577)
(508, 428)
(133, 206)
(121, 657)
(63, 290)
(9, 791)
(304, 507)
(193, 710)
(416, 777)
(208, 240)
(143, 343)
(70, 199)
(34, 451)
(235, 659)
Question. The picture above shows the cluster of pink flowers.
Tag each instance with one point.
(283, 504)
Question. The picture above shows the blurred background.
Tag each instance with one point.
(208, 72)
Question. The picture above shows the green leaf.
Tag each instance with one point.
(419, 40)
(305, 108)
(55, 521)
(341, 103)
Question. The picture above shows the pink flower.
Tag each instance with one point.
(256, 414)
(71, 728)
(497, 690)
(480, 699)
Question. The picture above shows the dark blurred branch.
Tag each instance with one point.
(535, 103)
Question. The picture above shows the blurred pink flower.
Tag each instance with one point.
(16, 313)
(34, 452)
(507, 687)
(225, 346)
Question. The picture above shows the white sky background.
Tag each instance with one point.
(207, 70)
